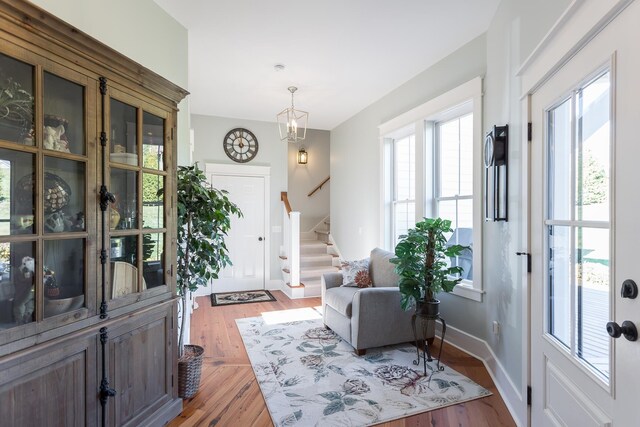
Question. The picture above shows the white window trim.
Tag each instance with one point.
(421, 118)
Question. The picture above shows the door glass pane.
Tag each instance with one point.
(63, 115)
(17, 284)
(153, 260)
(124, 133)
(16, 192)
(593, 145)
(152, 141)
(592, 278)
(124, 270)
(559, 161)
(124, 186)
(152, 204)
(560, 283)
(64, 195)
(63, 276)
(16, 101)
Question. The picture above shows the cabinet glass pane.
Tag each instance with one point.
(16, 192)
(124, 133)
(153, 260)
(124, 185)
(152, 141)
(63, 276)
(152, 204)
(16, 101)
(64, 195)
(17, 284)
(124, 259)
(63, 115)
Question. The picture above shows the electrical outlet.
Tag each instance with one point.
(496, 327)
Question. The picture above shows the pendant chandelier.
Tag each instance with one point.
(292, 123)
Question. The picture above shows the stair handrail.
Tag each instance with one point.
(291, 239)
(285, 200)
(319, 186)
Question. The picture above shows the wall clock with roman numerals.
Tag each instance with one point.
(241, 145)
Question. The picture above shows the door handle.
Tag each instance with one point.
(628, 329)
(259, 239)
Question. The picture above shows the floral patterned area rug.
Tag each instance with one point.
(309, 376)
(228, 298)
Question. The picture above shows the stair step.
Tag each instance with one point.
(315, 272)
(286, 270)
(308, 247)
(301, 285)
(325, 232)
(319, 260)
(282, 257)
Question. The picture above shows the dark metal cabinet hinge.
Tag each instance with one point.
(529, 395)
(528, 260)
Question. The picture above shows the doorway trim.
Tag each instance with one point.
(251, 171)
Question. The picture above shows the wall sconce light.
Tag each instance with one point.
(303, 156)
(496, 178)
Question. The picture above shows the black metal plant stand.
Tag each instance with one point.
(425, 320)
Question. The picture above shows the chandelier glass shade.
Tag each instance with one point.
(292, 123)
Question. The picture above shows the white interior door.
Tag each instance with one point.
(246, 241)
(585, 157)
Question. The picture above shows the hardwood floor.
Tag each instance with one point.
(229, 394)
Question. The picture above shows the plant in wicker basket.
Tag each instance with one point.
(204, 219)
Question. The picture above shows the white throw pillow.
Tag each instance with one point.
(356, 273)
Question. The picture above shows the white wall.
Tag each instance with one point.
(304, 178)
(209, 132)
(142, 31)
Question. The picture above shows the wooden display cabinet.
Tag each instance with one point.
(87, 247)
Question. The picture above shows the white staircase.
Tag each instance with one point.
(317, 256)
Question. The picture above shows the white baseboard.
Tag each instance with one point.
(481, 350)
(274, 285)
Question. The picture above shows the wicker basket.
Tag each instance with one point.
(189, 369)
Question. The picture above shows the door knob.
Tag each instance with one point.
(259, 239)
(629, 289)
(628, 329)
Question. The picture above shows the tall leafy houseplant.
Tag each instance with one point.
(204, 219)
(421, 263)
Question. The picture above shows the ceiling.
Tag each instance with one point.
(342, 55)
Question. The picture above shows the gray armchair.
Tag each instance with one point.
(367, 317)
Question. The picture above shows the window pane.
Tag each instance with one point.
(17, 284)
(405, 218)
(152, 141)
(560, 283)
(16, 101)
(560, 154)
(124, 133)
(447, 210)
(592, 157)
(63, 279)
(64, 195)
(405, 168)
(449, 148)
(124, 270)
(152, 204)
(16, 192)
(63, 115)
(153, 260)
(592, 278)
(466, 155)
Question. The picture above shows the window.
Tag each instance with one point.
(453, 189)
(431, 166)
(578, 224)
(404, 186)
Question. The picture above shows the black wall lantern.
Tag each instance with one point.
(303, 156)
(496, 178)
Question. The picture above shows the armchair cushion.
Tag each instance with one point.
(381, 270)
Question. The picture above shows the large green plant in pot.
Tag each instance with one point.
(421, 264)
(204, 219)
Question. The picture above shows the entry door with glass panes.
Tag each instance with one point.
(44, 150)
(138, 157)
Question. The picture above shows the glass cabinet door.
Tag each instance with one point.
(43, 151)
(137, 217)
